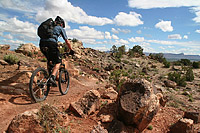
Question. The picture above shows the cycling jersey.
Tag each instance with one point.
(57, 31)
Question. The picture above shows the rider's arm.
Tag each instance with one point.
(68, 44)
(64, 36)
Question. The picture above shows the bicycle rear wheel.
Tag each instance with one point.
(38, 86)
(63, 81)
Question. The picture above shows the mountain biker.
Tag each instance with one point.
(53, 54)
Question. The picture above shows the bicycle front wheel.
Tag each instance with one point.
(63, 81)
(38, 86)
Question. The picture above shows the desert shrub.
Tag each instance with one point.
(159, 57)
(125, 61)
(189, 75)
(166, 63)
(74, 40)
(118, 60)
(150, 127)
(44, 60)
(30, 54)
(185, 62)
(49, 119)
(113, 49)
(122, 50)
(118, 52)
(195, 64)
(96, 69)
(176, 77)
(11, 59)
(135, 50)
(115, 77)
(130, 70)
(20, 46)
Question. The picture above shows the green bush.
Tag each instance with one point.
(135, 50)
(74, 40)
(195, 64)
(159, 57)
(115, 76)
(166, 63)
(150, 127)
(176, 77)
(44, 60)
(185, 62)
(11, 59)
(189, 75)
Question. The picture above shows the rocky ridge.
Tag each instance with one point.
(91, 63)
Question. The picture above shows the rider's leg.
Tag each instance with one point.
(53, 74)
(55, 69)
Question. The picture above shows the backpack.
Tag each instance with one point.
(45, 30)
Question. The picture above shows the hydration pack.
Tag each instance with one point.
(45, 30)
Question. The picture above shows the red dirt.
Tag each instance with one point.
(12, 105)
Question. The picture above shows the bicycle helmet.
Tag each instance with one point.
(59, 20)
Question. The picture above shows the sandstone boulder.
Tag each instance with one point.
(99, 129)
(195, 116)
(170, 83)
(184, 125)
(46, 119)
(110, 93)
(137, 104)
(26, 122)
(27, 48)
(4, 47)
(87, 104)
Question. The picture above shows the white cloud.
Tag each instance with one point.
(174, 36)
(118, 30)
(136, 39)
(164, 26)
(121, 42)
(85, 32)
(197, 31)
(103, 48)
(17, 27)
(22, 5)
(107, 35)
(114, 30)
(196, 10)
(8, 36)
(131, 19)
(148, 4)
(70, 13)
(115, 37)
(139, 32)
(185, 37)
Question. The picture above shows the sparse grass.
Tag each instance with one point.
(44, 60)
(150, 127)
(11, 59)
(50, 120)
(103, 103)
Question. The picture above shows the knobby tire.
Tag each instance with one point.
(38, 86)
(63, 81)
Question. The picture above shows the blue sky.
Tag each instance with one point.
(166, 26)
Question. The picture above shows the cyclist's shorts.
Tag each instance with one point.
(51, 52)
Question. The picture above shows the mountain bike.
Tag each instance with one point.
(39, 85)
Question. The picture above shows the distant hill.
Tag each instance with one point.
(175, 57)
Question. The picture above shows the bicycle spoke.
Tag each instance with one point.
(63, 82)
(38, 85)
